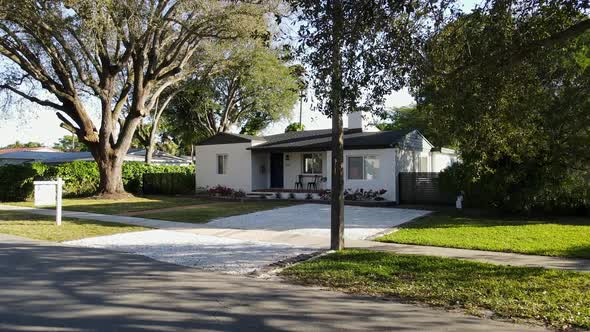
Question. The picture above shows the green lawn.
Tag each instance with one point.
(203, 211)
(44, 227)
(563, 237)
(215, 209)
(558, 298)
(132, 204)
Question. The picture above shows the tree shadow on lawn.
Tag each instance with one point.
(208, 211)
(31, 219)
(47, 287)
(554, 295)
(142, 203)
(448, 268)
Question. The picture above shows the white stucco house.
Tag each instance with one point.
(295, 160)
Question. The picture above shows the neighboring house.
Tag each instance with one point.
(372, 159)
(59, 157)
(39, 149)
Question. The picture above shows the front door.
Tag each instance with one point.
(276, 170)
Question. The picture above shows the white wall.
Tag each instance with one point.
(409, 160)
(239, 166)
(260, 170)
(385, 178)
(441, 160)
(294, 167)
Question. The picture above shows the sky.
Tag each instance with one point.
(34, 123)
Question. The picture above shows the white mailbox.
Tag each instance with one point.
(48, 193)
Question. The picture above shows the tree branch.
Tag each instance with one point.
(42, 102)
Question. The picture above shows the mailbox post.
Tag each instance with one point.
(48, 193)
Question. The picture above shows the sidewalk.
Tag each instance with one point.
(322, 243)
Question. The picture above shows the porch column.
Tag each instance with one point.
(328, 170)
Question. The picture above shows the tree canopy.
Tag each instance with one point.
(18, 144)
(510, 85)
(69, 143)
(252, 88)
(120, 55)
(295, 126)
(412, 117)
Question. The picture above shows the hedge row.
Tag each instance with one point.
(81, 177)
(517, 191)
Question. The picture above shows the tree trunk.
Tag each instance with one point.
(111, 178)
(110, 156)
(335, 102)
(149, 151)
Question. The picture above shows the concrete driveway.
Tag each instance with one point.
(49, 287)
(361, 223)
(245, 243)
(211, 253)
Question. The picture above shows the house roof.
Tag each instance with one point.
(353, 139)
(316, 140)
(39, 149)
(33, 155)
(64, 157)
(229, 138)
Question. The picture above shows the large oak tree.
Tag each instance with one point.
(70, 54)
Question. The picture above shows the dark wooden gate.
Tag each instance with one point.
(422, 188)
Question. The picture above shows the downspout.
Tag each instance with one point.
(396, 174)
(194, 160)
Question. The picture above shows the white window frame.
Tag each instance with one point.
(364, 170)
(303, 163)
(224, 158)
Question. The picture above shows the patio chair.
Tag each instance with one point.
(313, 184)
(299, 183)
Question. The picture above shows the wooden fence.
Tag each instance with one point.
(168, 183)
(422, 188)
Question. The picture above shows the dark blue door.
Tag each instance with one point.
(276, 170)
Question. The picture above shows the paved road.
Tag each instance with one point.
(48, 287)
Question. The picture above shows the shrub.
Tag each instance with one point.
(16, 181)
(278, 195)
(325, 195)
(220, 190)
(364, 195)
(519, 189)
(81, 177)
(168, 183)
(239, 194)
(291, 195)
(133, 172)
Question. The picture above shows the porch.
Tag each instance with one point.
(290, 172)
(284, 190)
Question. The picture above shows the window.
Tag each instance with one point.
(221, 164)
(312, 163)
(371, 167)
(362, 167)
(355, 168)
